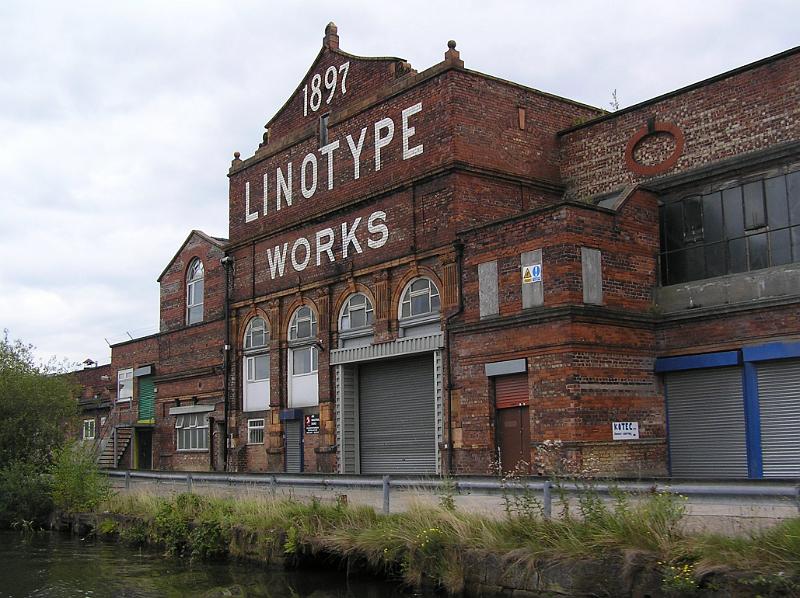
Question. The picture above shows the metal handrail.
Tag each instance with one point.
(766, 489)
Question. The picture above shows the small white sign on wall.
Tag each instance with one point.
(625, 430)
(531, 274)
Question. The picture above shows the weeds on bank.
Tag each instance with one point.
(425, 545)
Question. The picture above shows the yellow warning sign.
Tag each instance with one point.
(527, 276)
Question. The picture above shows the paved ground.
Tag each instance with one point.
(718, 514)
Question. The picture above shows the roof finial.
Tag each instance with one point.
(331, 39)
(452, 55)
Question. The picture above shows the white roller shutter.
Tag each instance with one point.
(705, 410)
(397, 416)
(779, 399)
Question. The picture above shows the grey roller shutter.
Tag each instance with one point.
(779, 399)
(348, 424)
(397, 414)
(294, 446)
(706, 423)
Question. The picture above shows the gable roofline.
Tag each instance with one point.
(216, 241)
(311, 69)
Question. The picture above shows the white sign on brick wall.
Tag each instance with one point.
(625, 430)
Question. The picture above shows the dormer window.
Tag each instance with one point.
(194, 292)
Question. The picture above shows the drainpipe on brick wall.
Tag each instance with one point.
(227, 263)
(459, 255)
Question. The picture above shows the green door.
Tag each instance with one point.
(147, 396)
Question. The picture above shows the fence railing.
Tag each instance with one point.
(789, 490)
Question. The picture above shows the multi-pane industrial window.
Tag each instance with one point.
(421, 297)
(256, 365)
(255, 431)
(192, 431)
(194, 292)
(356, 313)
(751, 226)
(88, 429)
(125, 385)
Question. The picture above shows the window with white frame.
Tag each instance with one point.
(255, 431)
(125, 385)
(88, 429)
(357, 313)
(192, 431)
(194, 292)
(303, 324)
(256, 365)
(303, 357)
(420, 298)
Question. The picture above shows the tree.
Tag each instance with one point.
(37, 406)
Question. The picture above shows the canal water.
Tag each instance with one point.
(57, 565)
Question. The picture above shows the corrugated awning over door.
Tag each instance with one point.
(511, 391)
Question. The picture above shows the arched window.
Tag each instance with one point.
(357, 313)
(303, 324)
(420, 298)
(256, 365)
(302, 358)
(194, 292)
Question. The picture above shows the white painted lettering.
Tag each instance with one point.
(356, 151)
(327, 151)
(308, 190)
(349, 238)
(249, 217)
(277, 265)
(375, 224)
(301, 242)
(408, 132)
(386, 124)
(284, 186)
(325, 247)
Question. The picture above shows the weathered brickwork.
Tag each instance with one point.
(460, 178)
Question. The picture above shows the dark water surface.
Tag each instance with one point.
(52, 564)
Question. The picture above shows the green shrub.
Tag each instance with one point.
(78, 485)
(25, 494)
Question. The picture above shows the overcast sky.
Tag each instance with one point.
(118, 120)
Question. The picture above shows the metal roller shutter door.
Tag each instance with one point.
(397, 418)
(294, 446)
(511, 391)
(779, 400)
(706, 423)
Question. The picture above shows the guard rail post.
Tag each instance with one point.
(189, 483)
(127, 480)
(797, 496)
(386, 494)
(547, 499)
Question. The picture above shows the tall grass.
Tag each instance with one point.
(425, 545)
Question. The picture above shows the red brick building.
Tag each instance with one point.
(442, 271)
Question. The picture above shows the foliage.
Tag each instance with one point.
(426, 544)
(678, 579)
(37, 405)
(447, 496)
(78, 485)
(25, 494)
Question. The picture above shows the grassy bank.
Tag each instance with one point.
(427, 545)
